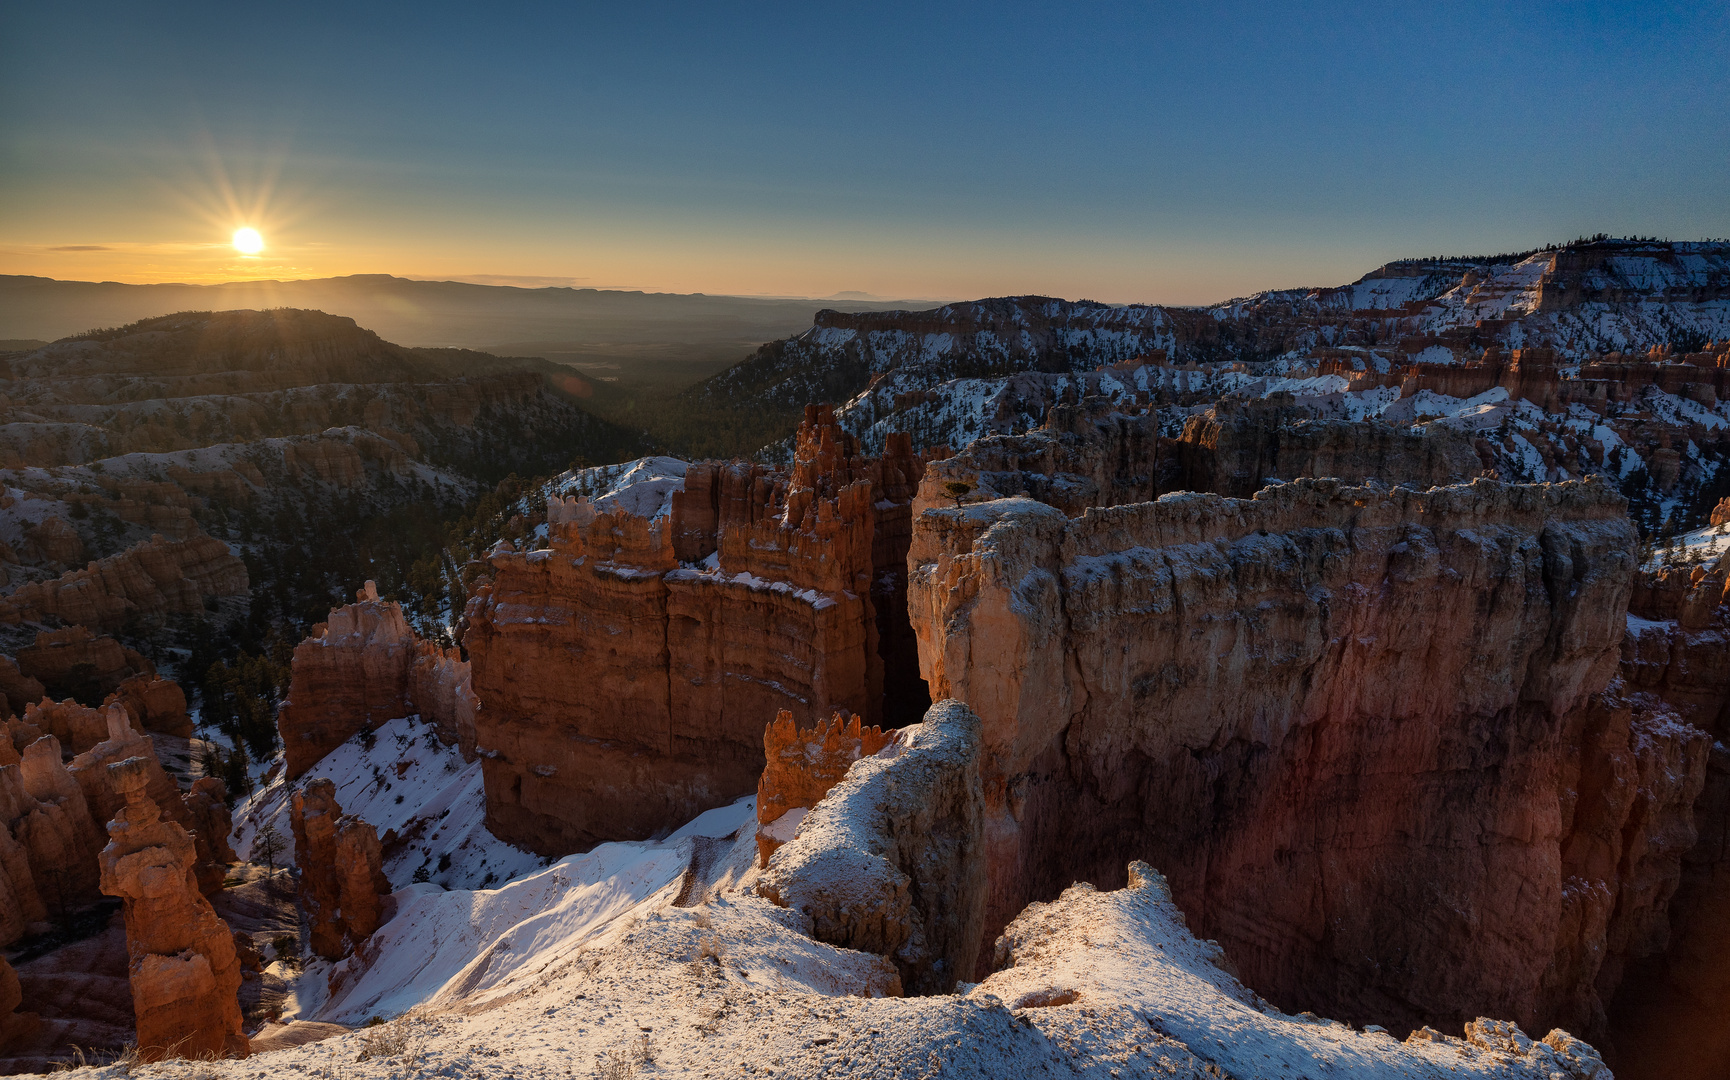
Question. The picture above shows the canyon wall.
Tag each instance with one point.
(1347, 722)
(1671, 1017)
(1096, 454)
(625, 673)
(184, 971)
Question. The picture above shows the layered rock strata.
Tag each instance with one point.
(362, 667)
(184, 971)
(889, 861)
(1348, 722)
(800, 767)
(1089, 455)
(342, 883)
(350, 672)
(625, 672)
(147, 583)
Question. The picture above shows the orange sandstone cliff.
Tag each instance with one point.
(626, 672)
(1350, 725)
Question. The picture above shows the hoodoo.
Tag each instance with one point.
(342, 886)
(184, 971)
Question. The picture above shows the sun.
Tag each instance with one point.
(247, 241)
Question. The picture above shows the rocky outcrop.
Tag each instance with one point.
(1185, 994)
(342, 885)
(888, 861)
(48, 841)
(208, 817)
(154, 704)
(801, 766)
(352, 672)
(145, 583)
(184, 972)
(363, 667)
(677, 637)
(1347, 721)
(75, 662)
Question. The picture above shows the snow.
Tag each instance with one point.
(1702, 545)
(436, 804)
(643, 486)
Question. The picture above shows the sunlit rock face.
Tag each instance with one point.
(363, 667)
(625, 673)
(1348, 722)
(184, 972)
(350, 672)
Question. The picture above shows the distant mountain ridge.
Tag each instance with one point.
(417, 312)
(1581, 299)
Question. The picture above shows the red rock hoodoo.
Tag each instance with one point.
(184, 971)
(625, 673)
(48, 839)
(342, 885)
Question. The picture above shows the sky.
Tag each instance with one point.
(1172, 153)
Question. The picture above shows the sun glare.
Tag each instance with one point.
(247, 241)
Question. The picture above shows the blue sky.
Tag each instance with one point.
(1176, 153)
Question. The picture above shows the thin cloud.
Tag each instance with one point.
(82, 247)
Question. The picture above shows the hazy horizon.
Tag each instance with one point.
(1152, 154)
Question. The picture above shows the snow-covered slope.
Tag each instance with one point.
(408, 784)
(661, 960)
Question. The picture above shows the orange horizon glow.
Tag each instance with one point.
(1113, 272)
